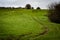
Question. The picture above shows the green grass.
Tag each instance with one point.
(20, 22)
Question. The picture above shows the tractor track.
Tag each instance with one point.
(45, 27)
(39, 34)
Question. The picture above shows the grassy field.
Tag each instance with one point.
(27, 24)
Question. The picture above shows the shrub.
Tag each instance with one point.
(28, 6)
(32, 7)
(54, 13)
(38, 8)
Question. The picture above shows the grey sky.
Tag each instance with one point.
(22, 3)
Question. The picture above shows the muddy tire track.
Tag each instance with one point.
(37, 35)
(45, 27)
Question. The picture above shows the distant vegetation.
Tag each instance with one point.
(32, 7)
(27, 6)
(38, 8)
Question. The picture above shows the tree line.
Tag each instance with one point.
(28, 6)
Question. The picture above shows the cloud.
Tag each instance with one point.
(34, 3)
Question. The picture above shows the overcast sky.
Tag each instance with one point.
(34, 3)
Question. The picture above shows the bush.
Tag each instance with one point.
(38, 8)
(54, 13)
(32, 7)
(28, 6)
